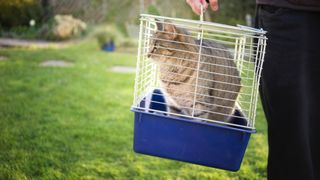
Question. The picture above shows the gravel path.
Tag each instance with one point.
(7, 42)
(123, 69)
(56, 63)
(3, 58)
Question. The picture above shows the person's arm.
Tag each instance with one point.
(196, 5)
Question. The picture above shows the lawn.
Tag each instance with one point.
(75, 122)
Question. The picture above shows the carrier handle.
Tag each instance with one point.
(201, 20)
(201, 14)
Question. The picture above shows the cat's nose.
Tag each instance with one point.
(150, 52)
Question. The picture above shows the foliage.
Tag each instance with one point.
(233, 11)
(129, 43)
(19, 12)
(122, 28)
(62, 27)
(21, 32)
(121, 11)
(93, 11)
(174, 9)
(230, 11)
(108, 32)
(152, 9)
(65, 27)
(103, 38)
(75, 123)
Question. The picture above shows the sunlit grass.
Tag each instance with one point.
(75, 122)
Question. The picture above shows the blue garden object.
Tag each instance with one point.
(187, 140)
(109, 46)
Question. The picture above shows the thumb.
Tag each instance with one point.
(196, 5)
(214, 5)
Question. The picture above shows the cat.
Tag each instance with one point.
(176, 53)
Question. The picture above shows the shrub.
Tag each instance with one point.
(108, 33)
(63, 27)
(22, 32)
(103, 37)
(129, 43)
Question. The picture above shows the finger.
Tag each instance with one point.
(204, 5)
(214, 5)
(195, 5)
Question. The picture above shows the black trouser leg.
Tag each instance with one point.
(290, 92)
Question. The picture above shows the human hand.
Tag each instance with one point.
(196, 5)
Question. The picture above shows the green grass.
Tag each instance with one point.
(75, 122)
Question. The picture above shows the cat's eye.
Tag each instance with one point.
(157, 46)
(160, 46)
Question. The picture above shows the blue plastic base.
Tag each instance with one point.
(191, 141)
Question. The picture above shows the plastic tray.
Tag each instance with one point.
(202, 143)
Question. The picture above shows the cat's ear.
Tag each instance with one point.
(171, 30)
(159, 25)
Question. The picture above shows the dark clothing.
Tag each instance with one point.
(290, 92)
(309, 5)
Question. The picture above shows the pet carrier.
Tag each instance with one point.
(196, 90)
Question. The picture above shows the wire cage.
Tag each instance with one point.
(196, 90)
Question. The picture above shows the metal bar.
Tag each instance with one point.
(241, 29)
